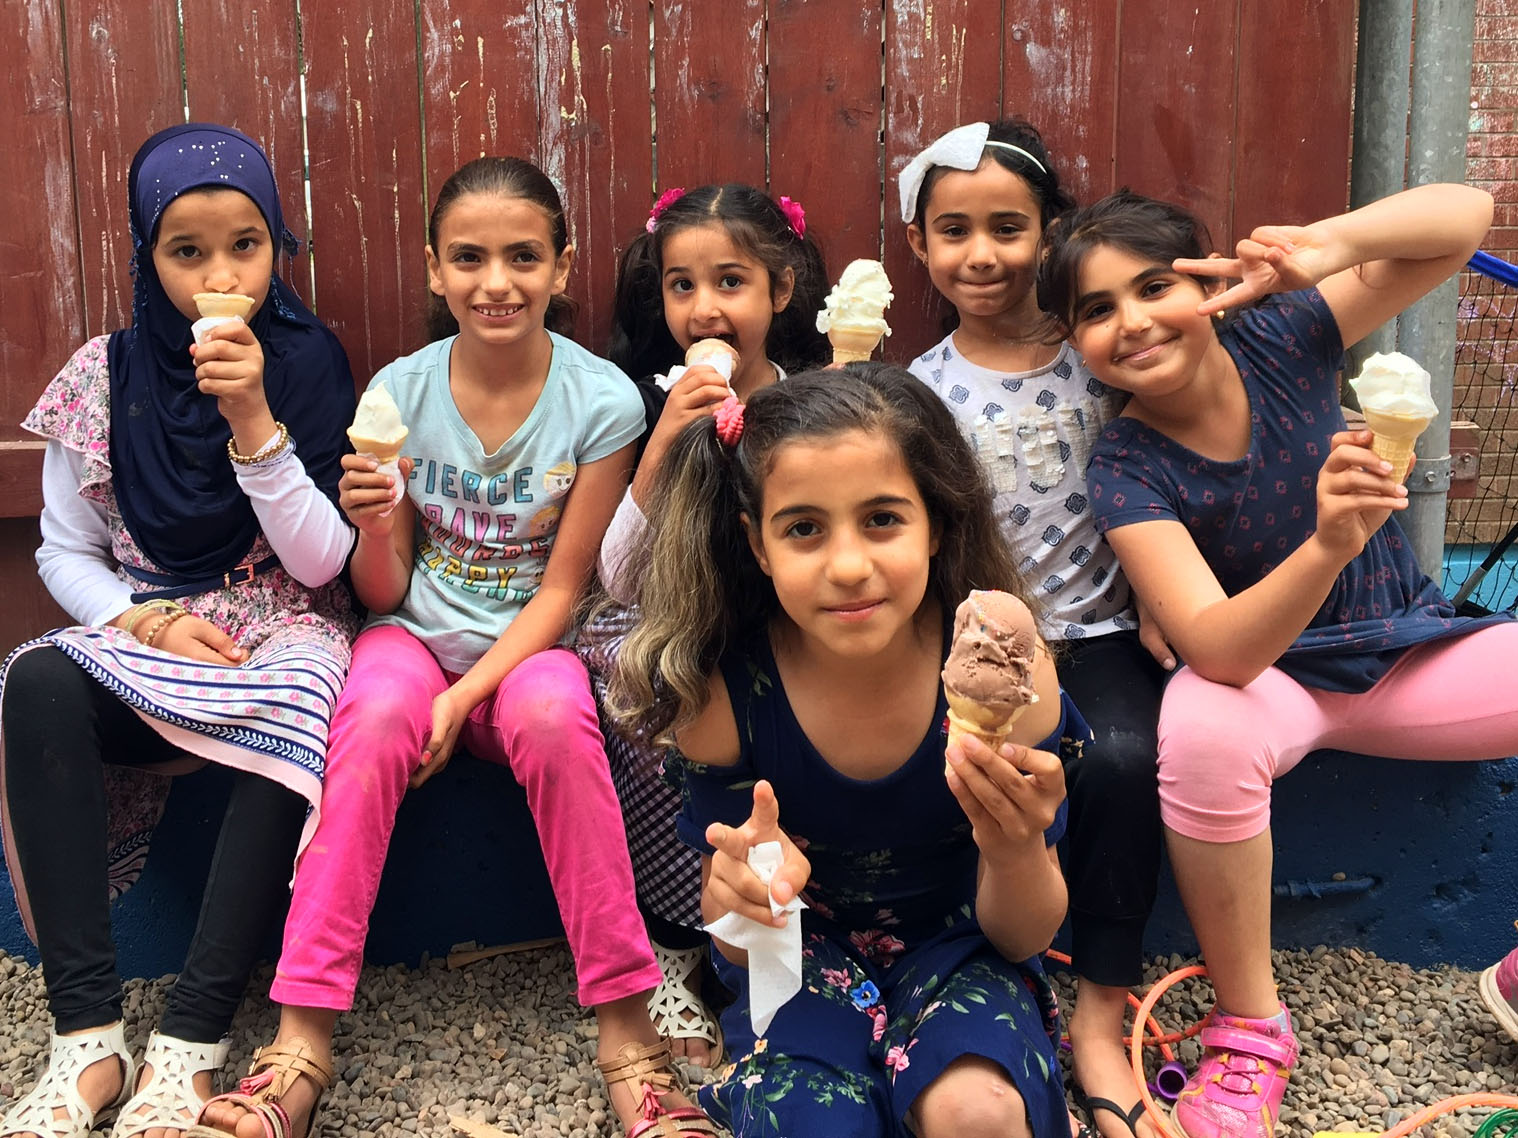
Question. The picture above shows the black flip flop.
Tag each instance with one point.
(1089, 1105)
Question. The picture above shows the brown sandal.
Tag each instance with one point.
(274, 1071)
(647, 1069)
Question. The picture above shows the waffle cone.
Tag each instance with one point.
(223, 304)
(1395, 436)
(384, 450)
(991, 727)
(851, 345)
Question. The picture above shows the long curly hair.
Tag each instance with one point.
(699, 587)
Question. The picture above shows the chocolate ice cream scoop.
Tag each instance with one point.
(988, 675)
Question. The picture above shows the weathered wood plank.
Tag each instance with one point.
(1061, 75)
(479, 83)
(368, 220)
(21, 474)
(28, 610)
(124, 84)
(596, 139)
(251, 80)
(40, 289)
(709, 93)
(1291, 164)
(1175, 118)
(825, 131)
(942, 68)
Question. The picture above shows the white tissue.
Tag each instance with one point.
(202, 327)
(722, 365)
(397, 490)
(398, 486)
(774, 955)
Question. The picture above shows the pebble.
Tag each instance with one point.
(503, 1042)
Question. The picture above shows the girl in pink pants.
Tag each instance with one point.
(541, 722)
(471, 555)
(1261, 535)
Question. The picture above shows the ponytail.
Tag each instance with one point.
(698, 587)
(640, 342)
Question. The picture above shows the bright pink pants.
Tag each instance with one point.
(542, 722)
(1222, 747)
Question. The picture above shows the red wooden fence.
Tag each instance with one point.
(1240, 110)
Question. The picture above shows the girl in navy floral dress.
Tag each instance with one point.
(794, 599)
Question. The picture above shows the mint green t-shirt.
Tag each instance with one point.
(486, 523)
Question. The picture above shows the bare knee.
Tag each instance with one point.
(973, 1098)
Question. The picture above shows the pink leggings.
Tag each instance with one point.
(542, 722)
(1222, 747)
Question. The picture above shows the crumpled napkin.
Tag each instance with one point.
(723, 366)
(774, 955)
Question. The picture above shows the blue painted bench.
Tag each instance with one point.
(1414, 861)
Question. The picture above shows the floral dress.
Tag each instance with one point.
(898, 981)
(268, 715)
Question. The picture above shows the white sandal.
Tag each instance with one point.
(677, 1009)
(168, 1099)
(59, 1086)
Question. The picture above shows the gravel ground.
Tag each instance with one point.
(502, 1041)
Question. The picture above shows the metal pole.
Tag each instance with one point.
(1379, 161)
(1437, 129)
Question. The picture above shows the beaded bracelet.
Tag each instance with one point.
(168, 619)
(264, 454)
(146, 607)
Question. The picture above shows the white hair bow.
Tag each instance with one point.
(959, 149)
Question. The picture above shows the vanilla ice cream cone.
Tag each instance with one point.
(382, 450)
(850, 345)
(853, 313)
(1396, 433)
(217, 308)
(379, 432)
(223, 304)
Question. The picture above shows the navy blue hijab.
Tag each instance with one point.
(175, 486)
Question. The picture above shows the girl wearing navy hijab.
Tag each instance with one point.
(190, 526)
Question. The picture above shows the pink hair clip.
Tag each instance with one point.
(729, 416)
(665, 200)
(794, 214)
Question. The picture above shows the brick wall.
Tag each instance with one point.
(1486, 372)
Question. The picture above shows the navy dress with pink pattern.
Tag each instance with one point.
(898, 980)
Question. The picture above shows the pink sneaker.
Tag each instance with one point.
(1238, 1086)
(1499, 991)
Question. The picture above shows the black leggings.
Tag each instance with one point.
(60, 725)
(1113, 856)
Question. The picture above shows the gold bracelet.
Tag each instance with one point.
(146, 607)
(281, 441)
(164, 622)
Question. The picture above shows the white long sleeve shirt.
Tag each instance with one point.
(301, 524)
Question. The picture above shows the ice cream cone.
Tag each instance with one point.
(850, 345)
(715, 353)
(966, 717)
(384, 450)
(1395, 435)
(223, 304)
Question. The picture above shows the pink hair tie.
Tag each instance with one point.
(794, 214)
(729, 416)
(665, 200)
